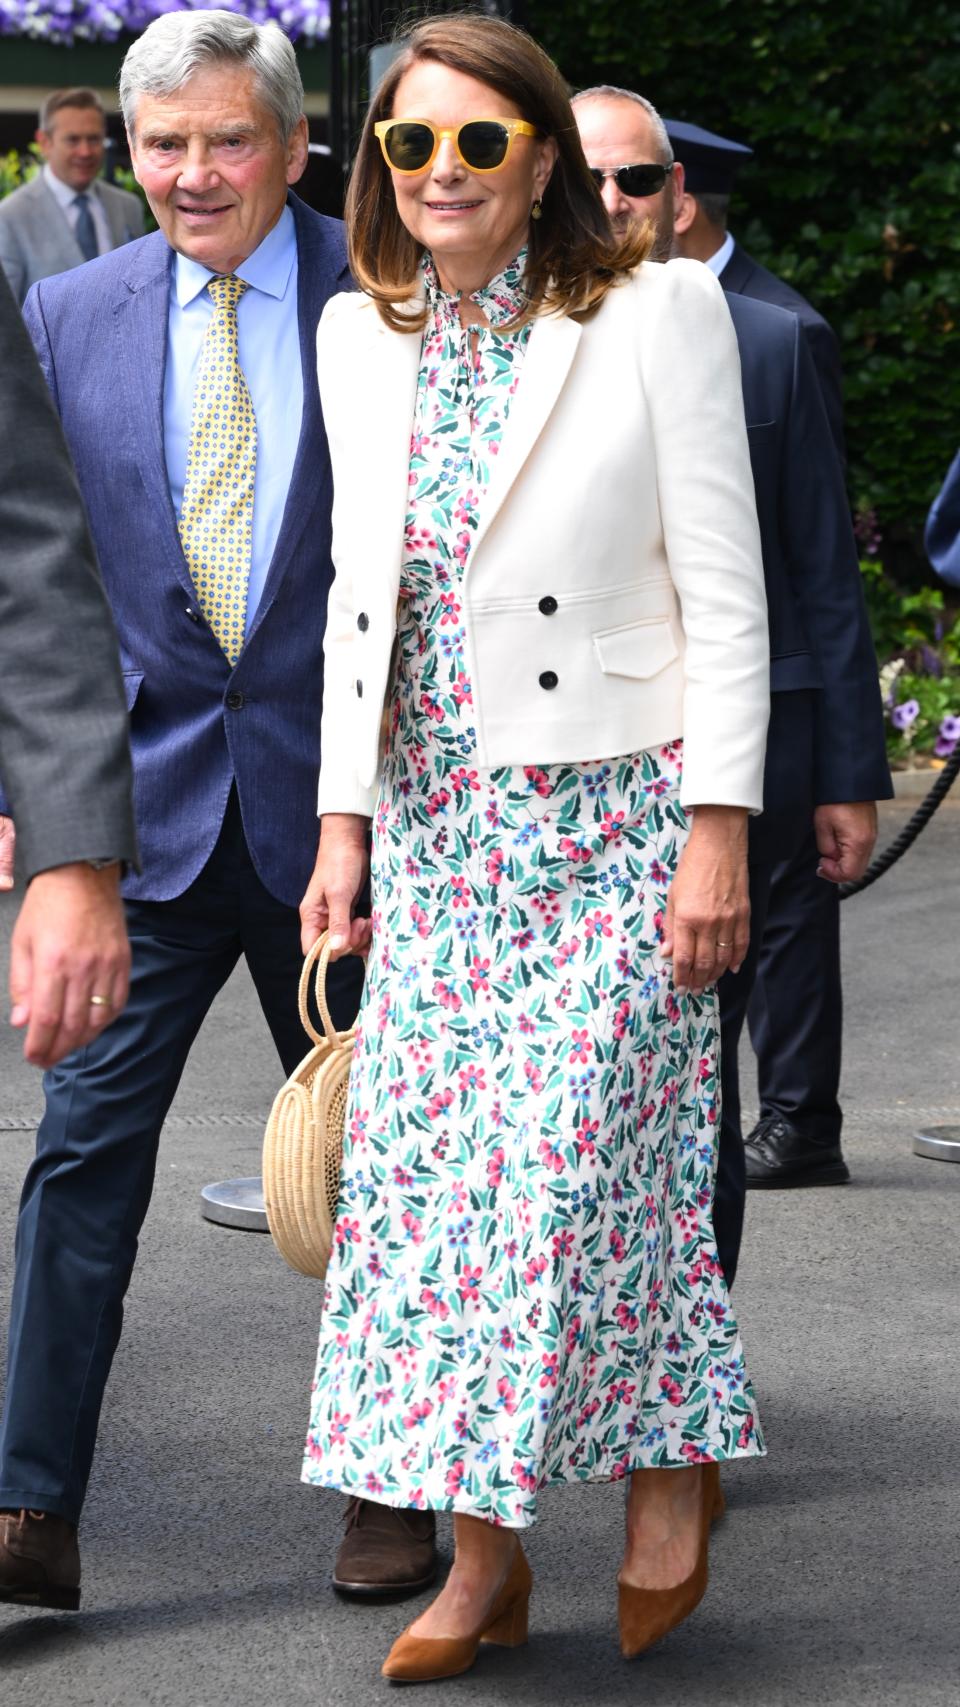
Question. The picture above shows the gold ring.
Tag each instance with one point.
(723, 944)
(100, 1002)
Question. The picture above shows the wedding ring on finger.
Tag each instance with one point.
(100, 1002)
(724, 944)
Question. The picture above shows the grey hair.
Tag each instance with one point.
(610, 92)
(178, 44)
(715, 206)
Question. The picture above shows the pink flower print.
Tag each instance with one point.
(534, 1270)
(438, 803)
(422, 923)
(373, 1484)
(495, 1168)
(434, 1304)
(658, 786)
(496, 1115)
(653, 1297)
(618, 1245)
(551, 1368)
(465, 508)
(575, 852)
(621, 1393)
(693, 1454)
(495, 865)
(438, 1103)
(586, 1138)
(398, 1089)
(465, 781)
(669, 1096)
(746, 1434)
(413, 1225)
(462, 689)
(417, 1499)
(507, 1395)
(478, 975)
(611, 827)
(506, 1338)
(447, 1389)
(650, 1206)
(550, 1155)
(450, 608)
(459, 891)
(599, 924)
(705, 1069)
(562, 1243)
(402, 1177)
(374, 1266)
(472, 1079)
(461, 550)
(358, 1126)
(522, 939)
(526, 1025)
(455, 1478)
(565, 952)
(627, 1319)
(383, 1011)
(418, 1414)
(574, 1335)
(338, 1425)
(348, 1232)
(538, 781)
(672, 1008)
(671, 1390)
(492, 814)
(621, 1019)
(658, 919)
(658, 873)
(587, 1413)
(447, 997)
(533, 1075)
(468, 1284)
(582, 1046)
(546, 903)
(716, 1310)
(621, 1468)
(524, 1477)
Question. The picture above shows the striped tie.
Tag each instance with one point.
(216, 516)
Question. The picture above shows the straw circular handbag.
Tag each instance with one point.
(303, 1143)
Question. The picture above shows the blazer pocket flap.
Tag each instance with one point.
(638, 649)
(132, 683)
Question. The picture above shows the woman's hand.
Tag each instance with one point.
(338, 877)
(707, 926)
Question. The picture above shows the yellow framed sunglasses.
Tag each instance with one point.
(410, 145)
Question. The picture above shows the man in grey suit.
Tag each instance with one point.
(65, 215)
(64, 751)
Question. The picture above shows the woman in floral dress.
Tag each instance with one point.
(524, 1289)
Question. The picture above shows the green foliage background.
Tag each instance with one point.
(853, 107)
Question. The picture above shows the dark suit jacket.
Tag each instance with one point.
(744, 276)
(196, 723)
(819, 633)
(63, 722)
(942, 536)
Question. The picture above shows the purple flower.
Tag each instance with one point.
(902, 716)
(65, 21)
(948, 736)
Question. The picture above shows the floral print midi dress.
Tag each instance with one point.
(524, 1288)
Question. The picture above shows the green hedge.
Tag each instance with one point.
(853, 109)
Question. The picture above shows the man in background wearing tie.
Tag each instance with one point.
(65, 215)
(209, 501)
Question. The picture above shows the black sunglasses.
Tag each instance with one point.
(641, 180)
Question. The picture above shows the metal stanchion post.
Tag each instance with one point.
(939, 1143)
(236, 1203)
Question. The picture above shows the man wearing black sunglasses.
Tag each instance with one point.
(826, 764)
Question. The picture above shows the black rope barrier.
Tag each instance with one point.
(910, 831)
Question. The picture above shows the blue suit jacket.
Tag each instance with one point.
(196, 723)
(942, 536)
(745, 276)
(819, 632)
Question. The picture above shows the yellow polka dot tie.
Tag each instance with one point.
(216, 516)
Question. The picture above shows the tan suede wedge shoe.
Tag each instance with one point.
(427, 1659)
(648, 1614)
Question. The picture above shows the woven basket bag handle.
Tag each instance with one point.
(318, 956)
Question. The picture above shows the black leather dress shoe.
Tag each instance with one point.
(386, 1551)
(779, 1157)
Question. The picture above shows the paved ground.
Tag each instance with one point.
(835, 1577)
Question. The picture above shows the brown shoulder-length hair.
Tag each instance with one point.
(573, 255)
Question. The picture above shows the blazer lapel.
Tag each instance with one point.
(386, 393)
(142, 330)
(553, 343)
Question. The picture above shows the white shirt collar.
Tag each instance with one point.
(63, 192)
(718, 261)
(267, 269)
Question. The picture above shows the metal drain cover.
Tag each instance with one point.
(940, 1143)
(235, 1203)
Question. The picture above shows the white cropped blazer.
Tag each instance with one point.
(613, 599)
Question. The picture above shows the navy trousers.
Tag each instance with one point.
(87, 1191)
(781, 837)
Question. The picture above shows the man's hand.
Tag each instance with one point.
(69, 944)
(845, 837)
(338, 877)
(8, 843)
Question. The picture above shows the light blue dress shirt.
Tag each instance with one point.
(268, 335)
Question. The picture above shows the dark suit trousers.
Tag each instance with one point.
(780, 837)
(87, 1191)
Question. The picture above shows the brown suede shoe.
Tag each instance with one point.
(39, 1560)
(386, 1551)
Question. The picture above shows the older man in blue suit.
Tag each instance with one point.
(826, 763)
(184, 371)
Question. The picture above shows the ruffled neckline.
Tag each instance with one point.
(503, 298)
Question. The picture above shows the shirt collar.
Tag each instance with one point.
(268, 269)
(500, 300)
(63, 192)
(718, 261)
